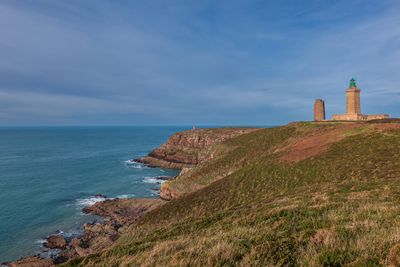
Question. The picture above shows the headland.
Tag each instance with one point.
(317, 193)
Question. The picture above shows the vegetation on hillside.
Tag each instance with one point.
(249, 207)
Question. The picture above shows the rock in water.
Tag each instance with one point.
(163, 178)
(55, 241)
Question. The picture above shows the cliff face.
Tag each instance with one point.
(189, 148)
(306, 194)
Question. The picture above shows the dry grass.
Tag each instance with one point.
(338, 208)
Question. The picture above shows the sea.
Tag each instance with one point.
(48, 174)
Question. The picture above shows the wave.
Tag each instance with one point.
(70, 234)
(41, 241)
(85, 202)
(152, 180)
(154, 192)
(90, 201)
(130, 163)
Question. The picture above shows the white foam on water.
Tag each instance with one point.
(41, 241)
(154, 192)
(86, 202)
(152, 180)
(133, 164)
(72, 233)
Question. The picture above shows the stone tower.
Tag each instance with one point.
(319, 110)
(353, 98)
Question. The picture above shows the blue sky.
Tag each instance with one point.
(97, 62)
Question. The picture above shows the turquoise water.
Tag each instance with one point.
(48, 174)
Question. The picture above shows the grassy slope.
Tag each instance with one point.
(341, 207)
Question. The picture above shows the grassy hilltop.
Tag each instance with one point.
(305, 194)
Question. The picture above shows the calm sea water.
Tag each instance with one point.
(48, 174)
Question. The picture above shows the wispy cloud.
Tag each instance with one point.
(175, 62)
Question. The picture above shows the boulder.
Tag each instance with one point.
(55, 241)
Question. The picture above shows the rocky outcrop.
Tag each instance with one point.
(117, 213)
(123, 211)
(189, 148)
(31, 261)
(55, 241)
(167, 193)
(97, 236)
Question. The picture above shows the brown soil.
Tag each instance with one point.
(317, 142)
(313, 144)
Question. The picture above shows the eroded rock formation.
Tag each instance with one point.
(189, 148)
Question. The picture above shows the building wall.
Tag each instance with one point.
(353, 101)
(377, 117)
(319, 110)
(358, 117)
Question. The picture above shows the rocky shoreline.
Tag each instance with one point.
(182, 151)
(97, 236)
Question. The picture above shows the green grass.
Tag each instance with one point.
(339, 208)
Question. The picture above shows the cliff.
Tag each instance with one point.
(189, 148)
(305, 194)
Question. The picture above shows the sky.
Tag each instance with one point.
(205, 62)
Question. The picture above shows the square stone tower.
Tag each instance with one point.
(319, 110)
(353, 99)
(353, 110)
